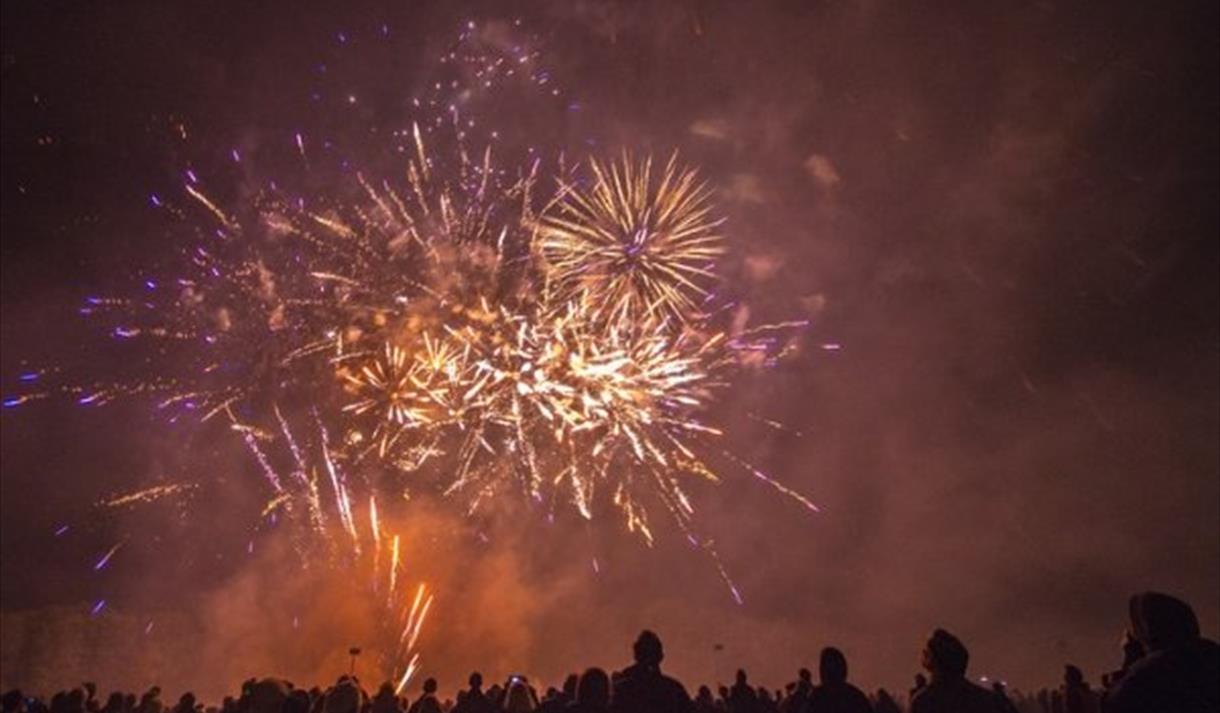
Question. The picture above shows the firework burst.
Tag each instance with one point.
(633, 243)
(449, 331)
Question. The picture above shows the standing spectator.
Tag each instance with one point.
(1179, 671)
(835, 694)
(592, 693)
(642, 688)
(1077, 696)
(427, 703)
(945, 658)
(474, 700)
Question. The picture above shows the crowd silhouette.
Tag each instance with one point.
(1167, 667)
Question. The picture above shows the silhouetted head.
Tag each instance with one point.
(297, 702)
(430, 686)
(945, 656)
(1160, 621)
(476, 680)
(1072, 675)
(705, 694)
(648, 650)
(805, 676)
(187, 701)
(741, 677)
(12, 700)
(518, 699)
(724, 691)
(266, 696)
(832, 668)
(593, 688)
(569, 685)
(343, 698)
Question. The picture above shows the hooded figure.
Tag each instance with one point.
(1179, 671)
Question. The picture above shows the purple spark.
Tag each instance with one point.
(61, 530)
(105, 560)
(97, 608)
(155, 200)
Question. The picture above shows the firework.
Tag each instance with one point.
(451, 328)
(414, 323)
(632, 244)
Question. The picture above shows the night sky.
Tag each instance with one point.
(1005, 215)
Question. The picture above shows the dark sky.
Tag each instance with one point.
(1006, 214)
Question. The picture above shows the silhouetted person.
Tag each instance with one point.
(297, 702)
(556, 700)
(91, 704)
(115, 703)
(795, 702)
(592, 693)
(1133, 651)
(742, 697)
(1077, 696)
(386, 700)
(265, 696)
(344, 697)
(1001, 698)
(150, 702)
(765, 703)
(945, 658)
(642, 688)
(834, 694)
(921, 682)
(1179, 671)
(474, 700)
(704, 702)
(12, 702)
(519, 697)
(885, 703)
(427, 702)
